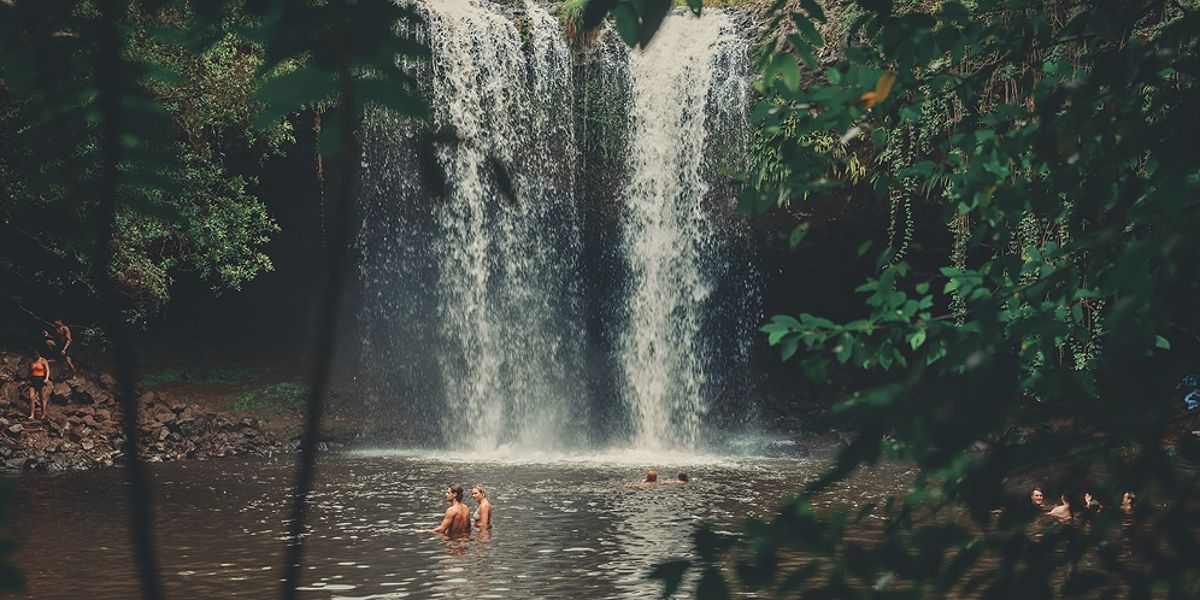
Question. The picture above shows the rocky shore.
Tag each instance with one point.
(83, 427)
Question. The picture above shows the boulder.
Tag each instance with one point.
(60, 393)
(15, 429)
(147, 400)
(108, 381)
(86, 392)
(16, 463)
(10, 393)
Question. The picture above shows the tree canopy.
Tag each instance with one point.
(191, 206)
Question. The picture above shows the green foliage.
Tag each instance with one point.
(186, 204)
(286, 396)
(1059, 138)
(122, 123)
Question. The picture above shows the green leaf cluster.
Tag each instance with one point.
(187, 200)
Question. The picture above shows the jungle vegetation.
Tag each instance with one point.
(1058, 137)
(1052, 335)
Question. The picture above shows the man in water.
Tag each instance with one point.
(651, 479)
(458, 517)
(1038, 499)
(1128, 502)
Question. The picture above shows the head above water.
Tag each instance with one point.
(456, 489)
(1128, 501)
(683, 477)
(651, 476)
(1036, 496)
(478, 493)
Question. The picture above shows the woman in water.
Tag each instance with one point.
(483, 515)
(458, 517)
(1062, 512)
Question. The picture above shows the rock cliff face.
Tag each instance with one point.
(82, 428)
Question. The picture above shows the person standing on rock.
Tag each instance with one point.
(65, 333)
(39, 383)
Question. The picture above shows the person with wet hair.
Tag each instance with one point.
(1128, 502)
(457, 520)
(682, 478)
(650, 480)
(1038, 498)
(482, 517)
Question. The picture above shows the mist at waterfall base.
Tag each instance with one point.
(582, 281)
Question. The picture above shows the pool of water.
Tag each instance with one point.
(564, 526)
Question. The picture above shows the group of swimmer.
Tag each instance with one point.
(459, 519)
(1066, 511)
(652, 479)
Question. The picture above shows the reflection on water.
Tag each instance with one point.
(562, 529)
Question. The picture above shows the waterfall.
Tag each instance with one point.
(681, 89)
(492, 316)
(505, 239)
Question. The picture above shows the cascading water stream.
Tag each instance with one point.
(681, 86)
(506, 236)
(474, 295)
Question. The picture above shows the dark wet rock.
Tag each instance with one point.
(10, 393)
(108, 381)
(86, 392)
(60, 393)
(84, 427)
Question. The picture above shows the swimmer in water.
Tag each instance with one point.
(1038, 499)
(1062, 512)
(651, 479)
(458, 517)
(482, 517)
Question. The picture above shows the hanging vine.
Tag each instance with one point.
(960, 226)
